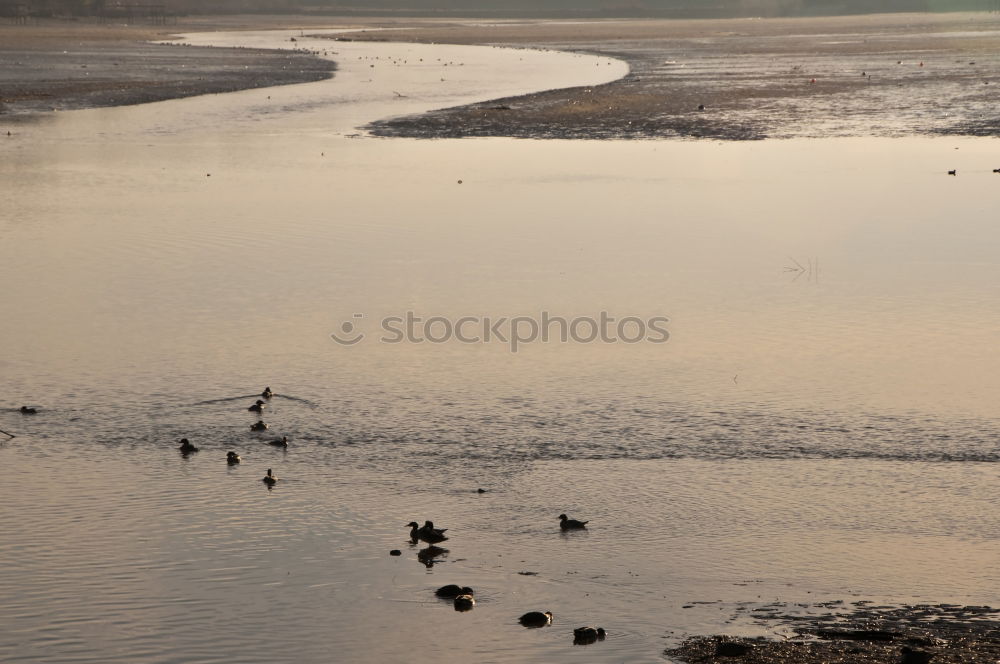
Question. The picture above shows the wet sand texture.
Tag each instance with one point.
(60, 66)
(886, 75)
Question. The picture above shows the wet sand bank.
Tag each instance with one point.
(66, 65)
(883, 75)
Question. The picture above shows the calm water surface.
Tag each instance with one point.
(805, 435)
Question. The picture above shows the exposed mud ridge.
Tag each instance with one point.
(859, 634)
(123, 73)
(780, 79)
(619, 110)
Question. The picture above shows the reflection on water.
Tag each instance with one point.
(798, 438)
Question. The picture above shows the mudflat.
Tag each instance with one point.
(879, 75)
(54, 65)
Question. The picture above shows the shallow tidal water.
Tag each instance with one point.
(805, 435)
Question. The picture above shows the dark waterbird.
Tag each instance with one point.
(567, 523)
(279, 442)
(232, 458)
(258, 426)
(257, 407)
(186, 447)
(584, 635)
(267, 393)
(428, 527)
(451, 591)
(536, 619)
(431, 535)
(25, 410)
(464, 602)
(270, 479)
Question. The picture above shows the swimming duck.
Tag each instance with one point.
(258, 426)
(588, 634)
(431, 536)
(451, 591)
(536, 619)
(428, 527)
(270, 479)
(567, 523)
(953, 172)
(414, 530)
(232, 457)
(186, 446)
(257, 407)
(267, 393)
(464, 602)
(28, 411)
(279, 442)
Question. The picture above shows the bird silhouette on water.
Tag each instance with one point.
(584, 635)
(567, 523)
(451, 591)
(426, 533)
(536, 619)
(465, 602)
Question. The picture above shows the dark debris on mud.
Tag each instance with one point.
(939, 634)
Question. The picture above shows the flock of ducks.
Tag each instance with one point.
(232, 458)
(464, 598)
